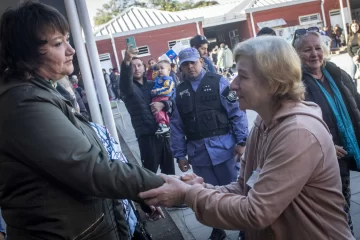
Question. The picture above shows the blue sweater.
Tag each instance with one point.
(164, 86)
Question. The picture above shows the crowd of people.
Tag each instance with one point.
(64, 177)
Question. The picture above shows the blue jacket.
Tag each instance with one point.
(212, 150)
(208, 65)
(164, 86)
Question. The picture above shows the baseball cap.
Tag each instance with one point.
(189, 55)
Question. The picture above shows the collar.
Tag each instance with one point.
(198, 78)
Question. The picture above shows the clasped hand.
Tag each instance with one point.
(172, 192)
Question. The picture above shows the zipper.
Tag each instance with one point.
(96, 223)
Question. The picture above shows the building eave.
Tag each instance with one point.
(279, 5)
(152, 28)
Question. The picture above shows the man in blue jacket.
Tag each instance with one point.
(201, 44)
(207, 125)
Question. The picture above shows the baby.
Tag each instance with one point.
(163, 89)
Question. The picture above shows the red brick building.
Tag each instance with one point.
(287, 15)
(155, 32)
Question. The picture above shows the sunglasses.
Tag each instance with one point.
(303, 31)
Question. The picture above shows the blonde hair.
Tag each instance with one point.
(277, 63)
(323, 40)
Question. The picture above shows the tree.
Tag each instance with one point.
(115, 7)
(111, 10)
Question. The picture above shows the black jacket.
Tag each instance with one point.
(54, 171)
(351, 98)
(137, 98)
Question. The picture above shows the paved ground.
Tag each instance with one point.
(185, 219)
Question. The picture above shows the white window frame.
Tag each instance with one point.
(139, 55)
(178, 40)
(104, 56)
(311, 21)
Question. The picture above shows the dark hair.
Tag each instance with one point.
(151, 59)
(197, 41)
(351, 32)
(266, 31)
(173, 65)
(135, 58)
(22, 32)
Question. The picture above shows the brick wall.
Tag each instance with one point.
(156, 40)
(291, 13)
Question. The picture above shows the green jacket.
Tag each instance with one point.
(54, 171)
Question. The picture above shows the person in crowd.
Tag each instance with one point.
(266, 31)
(80, 93)
(325, 31)
(201, 44)
(108, 84)
(353, 46)
(214, 54)
(334, 91)
(151, 73)
(162, 91)
(2, 229)
(116, 83)
(207, 125)
(227, 57)
(55, 173)
(173, 73)
(336, 36)
(220, 58)
(111, 72)
(136, 92)
(63, 86)
(289, 186)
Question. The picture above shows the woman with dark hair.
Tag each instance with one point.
(354, 46)
(55, 172)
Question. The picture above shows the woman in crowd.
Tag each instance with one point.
(289, 185)
(334, 91)
(354, 46)
(55, 171)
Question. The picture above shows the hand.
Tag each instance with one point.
(184, 164)
(156, 213)
(129, 54)
(157, 107)
(171, 193)
(191, 179)
(340, 152)
(239, 152)
(2, 236)
(356, 58)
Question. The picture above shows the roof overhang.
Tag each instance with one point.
(221, 20)
(279, 5)
(271, 23)
(148, 29)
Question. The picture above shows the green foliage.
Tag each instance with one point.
(115, 7)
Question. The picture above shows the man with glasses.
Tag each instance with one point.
(207, 125)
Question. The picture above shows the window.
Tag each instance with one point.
(234, 38)
(104, 56)
(309, 19)
(143, 51)
(185, 42)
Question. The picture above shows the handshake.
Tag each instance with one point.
(173, 191)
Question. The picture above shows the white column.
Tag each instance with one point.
(349, 10)
(252, 24)
(96, 67)
(115, 52)
(83, 61)
(343, 19)
(323, 12)
(198, 28)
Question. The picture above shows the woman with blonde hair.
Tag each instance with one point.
(334, 91)
(289, 185)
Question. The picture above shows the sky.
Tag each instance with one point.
(93, 5)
